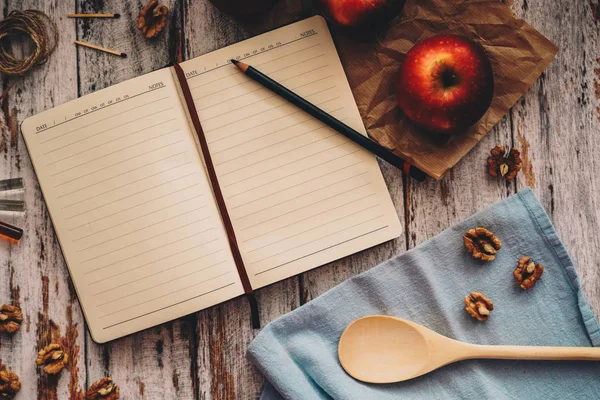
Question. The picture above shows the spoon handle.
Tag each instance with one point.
(534, 352)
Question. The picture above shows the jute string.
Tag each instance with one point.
(36, 26)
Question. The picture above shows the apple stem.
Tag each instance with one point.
(449, 78)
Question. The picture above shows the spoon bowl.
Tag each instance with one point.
(383, 349)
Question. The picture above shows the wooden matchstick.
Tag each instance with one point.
(93, 46)
(93, 15)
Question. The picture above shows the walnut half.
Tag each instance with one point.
(104, 389)
(9, 384)
(478, 306)
(53, 358)
(482, 243)
(152, 19)
(506, 165)
(527, 272)
(11, 318)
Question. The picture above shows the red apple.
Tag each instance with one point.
(361, 13)
(244, 9)
(445, 84)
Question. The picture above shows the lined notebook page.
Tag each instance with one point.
(132, 207)
(299, 194)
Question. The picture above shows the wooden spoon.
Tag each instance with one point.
(381, 349)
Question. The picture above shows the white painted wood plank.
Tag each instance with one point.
(468, 188)
(558, 123)
(33, 273)
(203, 355)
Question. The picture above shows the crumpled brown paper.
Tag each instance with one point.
(518, 54)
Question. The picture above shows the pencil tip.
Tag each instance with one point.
(117, 15)
(240, 65)
(123, 55)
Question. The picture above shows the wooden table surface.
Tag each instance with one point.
(202, 356)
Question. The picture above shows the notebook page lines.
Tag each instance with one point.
(293, 186)
(137, 217)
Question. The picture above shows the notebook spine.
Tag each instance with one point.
(212, 175)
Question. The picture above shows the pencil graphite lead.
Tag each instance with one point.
(241, 66)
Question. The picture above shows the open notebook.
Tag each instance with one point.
(132, 206)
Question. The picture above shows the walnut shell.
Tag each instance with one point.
(506, 165)
(104, 389)
(527, 272)
(9, 384)
(152, 19)
(482, 243)
(53, 358)
(11, 318)
(478, 306)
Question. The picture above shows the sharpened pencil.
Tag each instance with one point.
(91, 15)
(330, 121)
(99, 48)
(10, 232)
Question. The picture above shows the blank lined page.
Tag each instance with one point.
(132, 206)
(299, 194)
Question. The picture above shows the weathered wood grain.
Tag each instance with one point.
(557, 126)
(156, 363)
(202, 356)
(433, 206)
(32, 272)
(224, 331)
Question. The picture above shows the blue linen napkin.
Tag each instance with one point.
(297, 353)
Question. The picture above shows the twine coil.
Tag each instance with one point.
(35, 25)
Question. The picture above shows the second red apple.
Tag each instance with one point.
(244, 9)
(361, 13)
